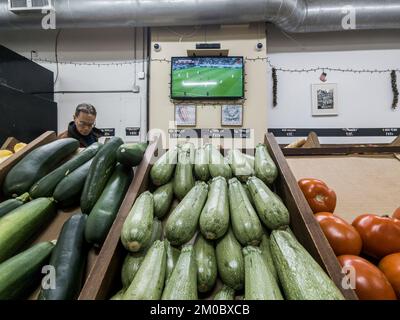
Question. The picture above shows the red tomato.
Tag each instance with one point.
(318, 195)
(342, 236)
(380, 235)
(371, 283)
(396, 213)
(390, 266)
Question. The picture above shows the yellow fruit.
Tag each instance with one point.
(19, 146)
(5, 153)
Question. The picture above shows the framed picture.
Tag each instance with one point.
(324, 99)
(185, 115)
(232, 115)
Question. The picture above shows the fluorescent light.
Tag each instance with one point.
(197, 84)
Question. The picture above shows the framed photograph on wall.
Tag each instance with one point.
(232, 115)
(324, 99)
(185, 115)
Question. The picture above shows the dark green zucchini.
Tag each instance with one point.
(11, 204)
(100, 171)
(68, 259)
(36, 165)
(131, 154)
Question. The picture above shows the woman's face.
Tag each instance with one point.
(84, 123)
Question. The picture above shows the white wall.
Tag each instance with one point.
(364, 99)
(115, 110)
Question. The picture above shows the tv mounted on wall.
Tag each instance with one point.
(201, 78)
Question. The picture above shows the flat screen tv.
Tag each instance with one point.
(207, 78)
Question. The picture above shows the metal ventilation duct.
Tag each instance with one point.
(290, 15)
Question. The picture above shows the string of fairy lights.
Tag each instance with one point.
(274, 71)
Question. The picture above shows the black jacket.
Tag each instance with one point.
(84, 141)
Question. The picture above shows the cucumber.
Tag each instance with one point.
(68, 191)
(206, 264)
(183, 179)
(259, 282)
(68, 259)
(182, 222)
(217, 164)
(245, 223)
(163, 197)
(163, 169)
(270, 208)
(118, 296)
(148, 282)
(172, 258)
(11, 204)
(130, 266)
(106, 208)
(36, 165)
(137, 228)
(241, 167)
(183, 282)
(45, 186)
(265, 168)
(131, 154)
(300, 275)
(265, 248)
(230, 261)
(21, 273)
(17, 227)
(156, 234)
(100, 171)
(214, 218)
(225, 293)
(201, 164)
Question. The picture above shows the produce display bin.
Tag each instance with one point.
(104, 278)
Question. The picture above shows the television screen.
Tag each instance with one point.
(207, 78)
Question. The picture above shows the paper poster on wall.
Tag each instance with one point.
(185, 115)
(232, 115)
(324, 99)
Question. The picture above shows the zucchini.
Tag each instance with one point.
(183, 220)
(183, 282)
(163, 197)
(201, 164)
(45, 186)
(11, 204)
(245, 223)
(21, 273)
(230, 261)
(241, 167)
(148, 282)
(68, 191)
(300, 275)
(183, 179)
(137, 228)
(206, 264)
(214, 218)
(172, 258)
(131, 265)
(131, 154)
(225, 293)
(246, 188)
(218, 166)
(106, 208)
(265, 248)
(250, 159)
(270, 208)
(118, 296)
(163, 169)
(100, 171)
(259, 282)
(68, 259)
(156, 234)
(188, 147)
(36, 165)
(17, 227)
(265, 168)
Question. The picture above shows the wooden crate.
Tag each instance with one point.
(104, 279)
(52, 230)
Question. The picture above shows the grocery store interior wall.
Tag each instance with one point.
(364, 99)
(115, 110)
(240, 41)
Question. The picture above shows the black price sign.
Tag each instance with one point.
(108, 132)
(132, 131)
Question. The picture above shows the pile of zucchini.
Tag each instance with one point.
(226, 235)
(57, 176)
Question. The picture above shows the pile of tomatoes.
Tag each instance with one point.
(370, 245)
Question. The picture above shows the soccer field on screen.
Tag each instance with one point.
(207, 82)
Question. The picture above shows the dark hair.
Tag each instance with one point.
(86, 108)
